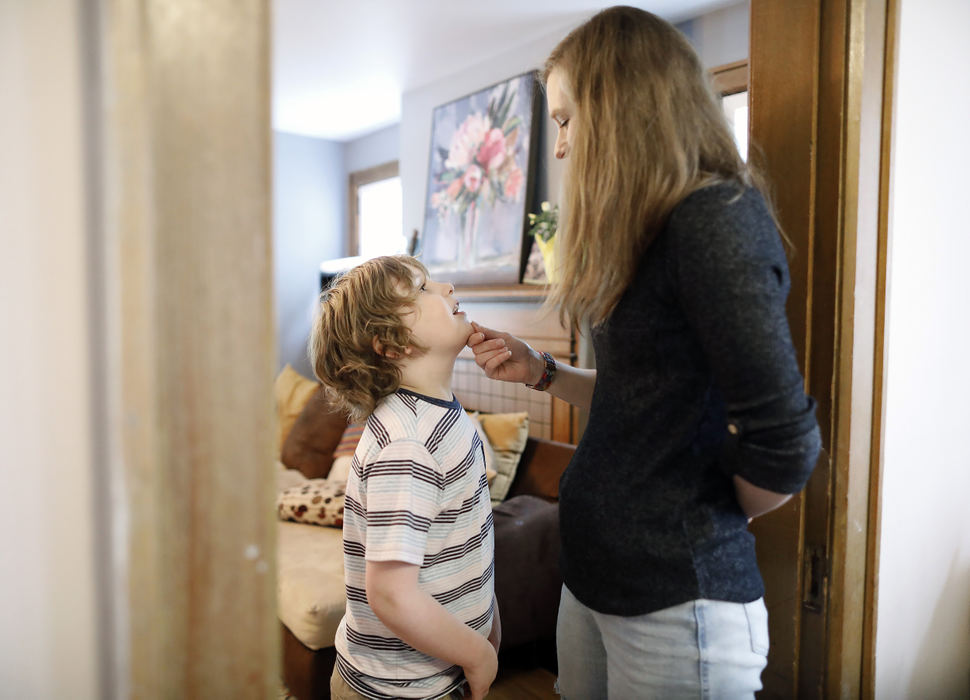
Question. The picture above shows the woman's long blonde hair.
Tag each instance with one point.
(647, 131)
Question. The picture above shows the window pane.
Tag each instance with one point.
(380, 218)
(736, 109)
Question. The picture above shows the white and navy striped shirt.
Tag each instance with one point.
(416, 493)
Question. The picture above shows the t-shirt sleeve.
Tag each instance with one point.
(404, 492)
(732, 279)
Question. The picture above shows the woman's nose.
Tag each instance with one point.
(560, 146)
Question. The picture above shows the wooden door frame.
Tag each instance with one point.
(185, 251)
(821, 125)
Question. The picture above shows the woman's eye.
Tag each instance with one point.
(563, 123)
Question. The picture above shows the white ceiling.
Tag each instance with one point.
(341, 66)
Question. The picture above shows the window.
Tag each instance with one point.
(731, 82)
(736, 110)
(375, 212)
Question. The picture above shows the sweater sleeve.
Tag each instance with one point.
(732, 279)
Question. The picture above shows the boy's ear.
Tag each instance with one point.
(379, 349)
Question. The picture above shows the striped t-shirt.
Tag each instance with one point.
(416, 493)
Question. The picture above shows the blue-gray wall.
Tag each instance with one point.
(310, 180)
(376, 148)
(309, 220)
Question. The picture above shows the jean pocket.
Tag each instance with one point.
(757, 615)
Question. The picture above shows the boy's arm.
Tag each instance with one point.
(421, 621)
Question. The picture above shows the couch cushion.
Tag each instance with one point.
(527, 576)
(542, 466)
(310, 582)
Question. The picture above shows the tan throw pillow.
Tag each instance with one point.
(507, 433)
(292, 391)
(317, 502)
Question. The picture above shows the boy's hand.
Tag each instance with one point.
(504, 357)
(482, 673)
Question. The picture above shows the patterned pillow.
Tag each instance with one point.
(316, 502)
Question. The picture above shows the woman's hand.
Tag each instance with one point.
(505, 357)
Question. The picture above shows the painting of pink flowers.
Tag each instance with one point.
(479, 182)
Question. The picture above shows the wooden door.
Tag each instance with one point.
(819, 125)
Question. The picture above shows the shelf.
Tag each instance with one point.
(509, 292)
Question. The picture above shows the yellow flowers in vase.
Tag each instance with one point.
(543, 228)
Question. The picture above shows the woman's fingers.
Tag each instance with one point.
(488, 346)
(497, 359)
(491, 359)
(488, 333)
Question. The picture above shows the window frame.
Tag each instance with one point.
(356, 180)
(730, 78)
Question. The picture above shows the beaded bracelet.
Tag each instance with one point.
(548, 374)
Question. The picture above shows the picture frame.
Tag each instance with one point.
(481, 181)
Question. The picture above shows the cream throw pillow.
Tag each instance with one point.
(507, 433)
(340, 469)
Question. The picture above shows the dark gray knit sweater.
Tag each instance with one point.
(699, 340)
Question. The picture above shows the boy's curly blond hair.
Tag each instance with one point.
(367, 303)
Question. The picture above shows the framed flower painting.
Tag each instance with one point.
(480, 182)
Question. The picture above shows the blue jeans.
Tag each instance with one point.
(702, 649)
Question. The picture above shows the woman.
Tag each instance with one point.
(698, 420)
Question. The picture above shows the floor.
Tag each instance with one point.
(511, 684)
(519, 684)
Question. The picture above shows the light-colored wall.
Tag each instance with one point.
(48, 531)
(720, 36)
(923, 631)
(309, 226)
(376, 148)
(310, 181)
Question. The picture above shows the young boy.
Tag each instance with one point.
(421, 616)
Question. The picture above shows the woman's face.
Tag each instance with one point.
(561, 111)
